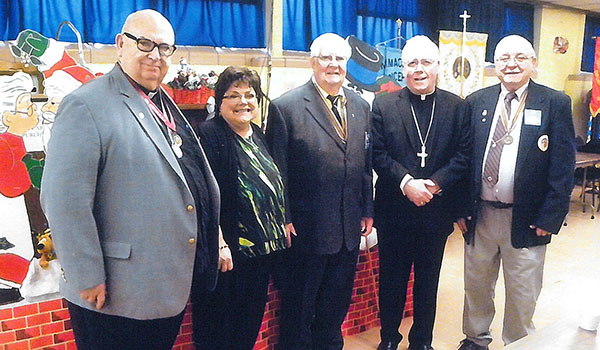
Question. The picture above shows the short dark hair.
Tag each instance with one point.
(233, 75)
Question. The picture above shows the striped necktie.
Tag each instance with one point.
(492, 163)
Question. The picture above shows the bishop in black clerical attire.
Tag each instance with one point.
(420, 153)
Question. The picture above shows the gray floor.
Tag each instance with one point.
(571, 284)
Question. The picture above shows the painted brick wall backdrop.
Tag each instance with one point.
(46, 325)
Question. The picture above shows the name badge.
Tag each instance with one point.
(533, 117)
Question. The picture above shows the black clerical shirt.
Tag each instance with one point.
(193, 171)
(422, 110)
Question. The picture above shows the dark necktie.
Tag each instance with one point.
(492, 163)
(334, 109)
(507, 100)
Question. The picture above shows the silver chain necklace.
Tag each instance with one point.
(423, 153)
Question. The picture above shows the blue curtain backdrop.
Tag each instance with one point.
(592, 28)
(241, 23)
(3, 18)
(230, 23)
(377, 20)
(375, 30)
(304, 20)
(496, 18)
(374, 20)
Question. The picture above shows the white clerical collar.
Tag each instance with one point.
(520, 91)
(423, 97)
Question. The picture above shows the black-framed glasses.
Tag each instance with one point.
(147, 45)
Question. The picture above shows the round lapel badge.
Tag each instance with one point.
(543, 143)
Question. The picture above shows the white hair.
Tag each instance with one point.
(330, 44)
(420, 47)
(514, 44)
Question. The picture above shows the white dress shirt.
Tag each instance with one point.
(503, 190)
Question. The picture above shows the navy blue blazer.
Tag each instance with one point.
(543, 178)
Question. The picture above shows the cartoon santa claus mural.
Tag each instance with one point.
(16, 247)
(24, 132)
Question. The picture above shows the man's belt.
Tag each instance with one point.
(498, 205)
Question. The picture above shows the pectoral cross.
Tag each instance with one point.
(422, 155)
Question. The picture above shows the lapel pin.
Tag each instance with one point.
(141, 115)
(542, 143)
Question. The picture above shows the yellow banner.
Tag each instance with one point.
(461, 68)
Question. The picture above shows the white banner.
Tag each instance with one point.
(451, 62)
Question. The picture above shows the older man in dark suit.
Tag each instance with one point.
(130, 198)
(420, 153)
(319, 134)
(522, 176)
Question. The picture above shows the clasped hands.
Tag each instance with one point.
(420, 191)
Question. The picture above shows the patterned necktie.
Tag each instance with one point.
(492, 163)
(334, 109)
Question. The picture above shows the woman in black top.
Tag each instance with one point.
(252, 216)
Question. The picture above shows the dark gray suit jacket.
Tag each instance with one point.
(543, 180)
(328, 184)
(118, 204)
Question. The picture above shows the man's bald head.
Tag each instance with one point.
(147, 17)
(146, 68)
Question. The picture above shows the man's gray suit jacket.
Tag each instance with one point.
(118, 205)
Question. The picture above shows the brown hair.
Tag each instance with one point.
(234, 75)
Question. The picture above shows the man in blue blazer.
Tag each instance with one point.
(522, 176)
(319, 134)
(130, 198)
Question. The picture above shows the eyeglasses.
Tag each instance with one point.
(329, 59)
(249, 96)
(424, 62)
(147, 45)
(518, 58)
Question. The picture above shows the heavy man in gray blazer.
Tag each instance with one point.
(130, 199)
